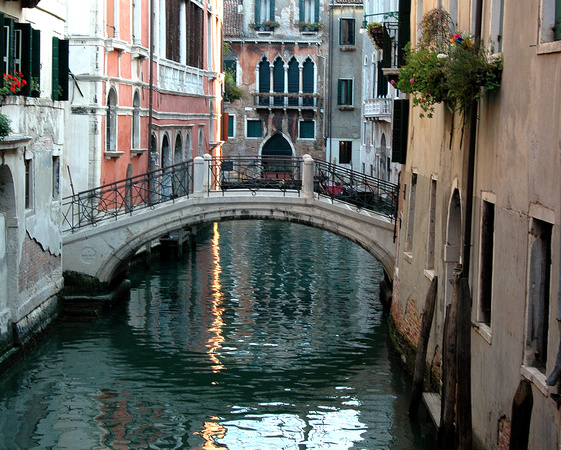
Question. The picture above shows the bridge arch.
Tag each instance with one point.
(104, 251)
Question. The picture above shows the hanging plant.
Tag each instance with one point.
(448, 70)
(5, 128)
(375, 31)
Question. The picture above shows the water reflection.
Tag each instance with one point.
(270, 335)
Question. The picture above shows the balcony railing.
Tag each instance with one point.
(180, 78)
(380, 108)
(285, 100)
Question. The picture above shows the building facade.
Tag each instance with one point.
(481, 203)
(276, 53)
(378, 94)
(144, 95)
(36, 53)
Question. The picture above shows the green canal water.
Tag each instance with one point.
(268, 336)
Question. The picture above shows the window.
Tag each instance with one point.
(264, 10)
(60, 69)
(345, 152)
(293, 81)
(307, 129)
(194, 36)
(111, 122)
(20, 46)
(308, 82)
(496, 32)
(254, 128)
(309, 11)
(537, 325)
(550, 23)
(411, 218)
(345, 92)
(231, 125)
(28, 184)
(136, 121)
(56, 177)
(347, 32)
(432, 227)
(486, 262)
(278, 81)
(264, 81)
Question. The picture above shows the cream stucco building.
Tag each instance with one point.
(484, 198)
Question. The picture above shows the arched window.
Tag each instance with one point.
(293, 81)
(278, 80)
(178, 150)
(136, 121)
(111, 122)
(201, 142)
(308, 82)
(264, 81)
(188, 146)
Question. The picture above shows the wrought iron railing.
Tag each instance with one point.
(126, 196)
(110, 201)
(254, 173)
(358, 189)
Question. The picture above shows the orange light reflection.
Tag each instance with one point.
(215, 341)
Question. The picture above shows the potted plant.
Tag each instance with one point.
(447, 67)
(375, 31)
(269, 25)
(310, 26)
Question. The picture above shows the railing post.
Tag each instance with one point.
(308, 177)
(207, 181)
(198, 176)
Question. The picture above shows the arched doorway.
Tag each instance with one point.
(275, 156)
(166, 163)
(452, 250)
(8, 238)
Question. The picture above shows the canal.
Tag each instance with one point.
(269, 335)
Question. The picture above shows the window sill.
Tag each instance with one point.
(346, 108)
(549, 47)
(407, 256)
(536, 377)
(348, 48)
(137, 151)
(429, 274)
(113, 154)
(483, 330)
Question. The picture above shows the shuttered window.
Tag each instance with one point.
(60, 69)
(308, 82)
(264, 81)
(307, 129)
(400, 130)
(293, 81)
(345, 92)
(264, 10)
(194, 35)
(278, 80)
(347, 32)
(254, 128)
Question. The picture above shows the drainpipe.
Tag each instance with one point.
(329, 155)
(151, 85)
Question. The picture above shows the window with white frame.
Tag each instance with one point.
(231, 126)
(345, 92)
(550, 23)
(254, 128)
(347, 32)
(136, 121)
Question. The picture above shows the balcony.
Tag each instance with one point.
(378, 109)
(177, 77)
(281, 100)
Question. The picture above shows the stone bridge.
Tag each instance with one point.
(103, 251)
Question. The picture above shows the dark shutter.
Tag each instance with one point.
(400, 130)
(308, 82)
(301, 6)
(257, 11)
(54, 73)
(36, 60)
(278, 80)
(11, 45)
(404, 32)
(272, 11)
(387, 54)
(264, 81)
(316, 10)
(382, 82)
(293, 81)
(339, 92)
(26, 54)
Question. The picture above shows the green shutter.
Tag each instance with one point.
(557, 25)
(350, 84)
(400, 130)
(257, 11)
(60, 69)
(301, 6)
(339, 91)
(387, 50)
(63, 68)
(404, 29)
(316, 10)
(272, 11)
(36, 59)
(11, 45)
(26, 54)
(54, 69)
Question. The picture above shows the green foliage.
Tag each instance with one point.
(453, 70)
(310, 26)
(231, 90)
(5, 128)
(375, 31)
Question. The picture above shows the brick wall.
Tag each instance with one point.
(36, 264)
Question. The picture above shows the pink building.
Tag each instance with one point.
(132, 109)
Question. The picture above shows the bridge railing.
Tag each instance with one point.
(126, 196)
(358, 189)
(254, 173)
